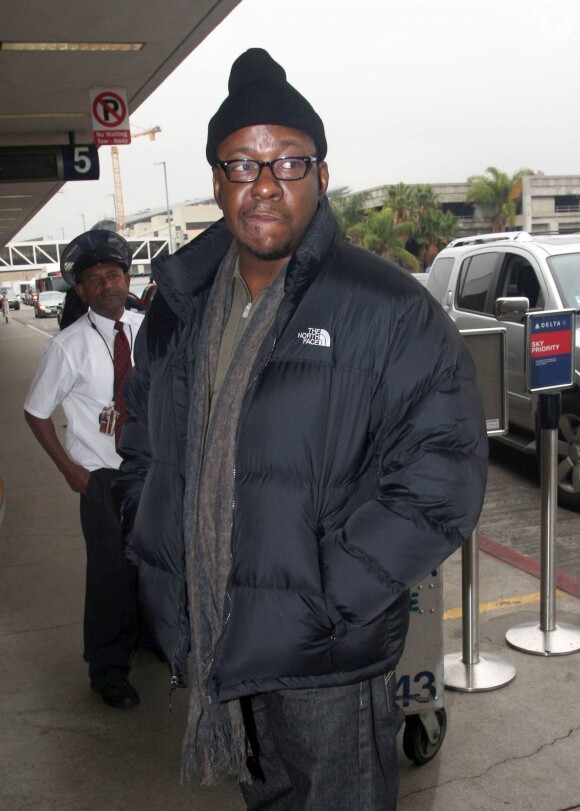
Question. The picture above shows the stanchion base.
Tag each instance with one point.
(489, 673)
(529, 638)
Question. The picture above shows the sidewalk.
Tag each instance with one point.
(517, 747)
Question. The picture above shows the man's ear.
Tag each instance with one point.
(323, 177)
(80, 291)
(216, 187)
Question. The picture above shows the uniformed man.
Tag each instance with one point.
(83, 369)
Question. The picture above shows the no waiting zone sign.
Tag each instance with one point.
(110, 114)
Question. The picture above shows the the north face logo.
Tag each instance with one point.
(315, 337)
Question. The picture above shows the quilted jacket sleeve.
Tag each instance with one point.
(432, 470)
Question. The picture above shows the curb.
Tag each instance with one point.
(528, 565)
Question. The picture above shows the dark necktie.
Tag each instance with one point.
(122, 365)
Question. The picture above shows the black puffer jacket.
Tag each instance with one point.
(360, 464)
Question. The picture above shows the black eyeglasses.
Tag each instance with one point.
(246, 171)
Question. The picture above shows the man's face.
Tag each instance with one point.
(269, 217)
(104, 288)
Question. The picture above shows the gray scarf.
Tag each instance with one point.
(215, 732)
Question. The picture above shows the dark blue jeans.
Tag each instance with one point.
(327, 749)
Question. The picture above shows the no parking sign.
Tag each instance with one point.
(110, 114)
(550, 342)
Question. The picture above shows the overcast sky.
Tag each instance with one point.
(416, 91)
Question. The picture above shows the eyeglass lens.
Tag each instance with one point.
(245, 171)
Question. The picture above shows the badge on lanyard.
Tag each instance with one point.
(107, 419)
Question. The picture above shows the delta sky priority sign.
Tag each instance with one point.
(550, 342)
(110, 114)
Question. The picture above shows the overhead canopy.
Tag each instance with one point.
(44, 94)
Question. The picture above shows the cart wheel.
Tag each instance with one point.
(416, 744)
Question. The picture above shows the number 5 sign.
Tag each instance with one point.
(110, 115)
(79, 162)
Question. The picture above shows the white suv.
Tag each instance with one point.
(494, 279)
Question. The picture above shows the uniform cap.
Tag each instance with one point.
(93, 248)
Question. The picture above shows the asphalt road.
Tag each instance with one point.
(511, 513)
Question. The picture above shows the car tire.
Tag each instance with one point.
(568, 473)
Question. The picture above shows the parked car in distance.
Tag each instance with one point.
(47, 303)
(493, 280)
(149, 293)
(30, 295)
(59, 308)
(13, 301)
(133, 302)
(138, 284)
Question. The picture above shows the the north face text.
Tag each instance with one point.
(315, 337)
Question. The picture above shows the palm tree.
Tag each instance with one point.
(436, 229)
(381, 233)
(425, 198)
(348, 209)
(401, 201)
(498, 191)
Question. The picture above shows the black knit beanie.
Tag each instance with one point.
(260, 94)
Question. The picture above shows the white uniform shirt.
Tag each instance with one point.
(76, 371)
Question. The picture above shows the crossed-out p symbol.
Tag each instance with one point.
(110, 106)
(109, 109)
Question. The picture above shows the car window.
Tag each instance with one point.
(51, 296)
(477, 273)
(438, 277)
(566, 271)
(520, 279)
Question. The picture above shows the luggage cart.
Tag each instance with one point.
(420, 672)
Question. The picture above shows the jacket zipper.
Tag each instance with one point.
(228, 594)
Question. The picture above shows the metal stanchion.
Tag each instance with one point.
(470, 671)
(547, 638)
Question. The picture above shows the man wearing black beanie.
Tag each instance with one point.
(295, 461)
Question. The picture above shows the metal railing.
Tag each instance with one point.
(36, 255)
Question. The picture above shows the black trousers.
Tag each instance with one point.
(111, 624)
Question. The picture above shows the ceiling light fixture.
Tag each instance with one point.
(16, 116)
(71, 46)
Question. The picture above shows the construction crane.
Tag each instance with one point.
(119, 206)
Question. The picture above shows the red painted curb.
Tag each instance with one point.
(525, 564)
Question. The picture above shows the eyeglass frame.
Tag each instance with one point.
(308, 159)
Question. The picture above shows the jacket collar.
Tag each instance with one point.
(191, 269)
(317, 243)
